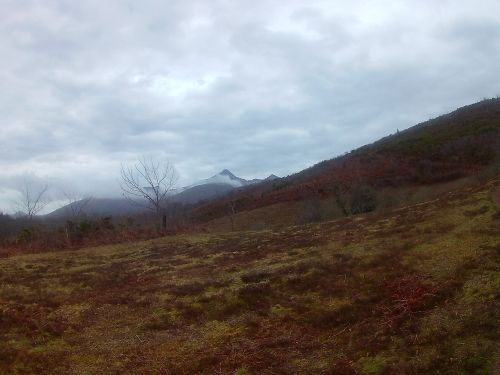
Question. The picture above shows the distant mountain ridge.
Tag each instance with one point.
(207, 189)
(226, 177)
(215, 187)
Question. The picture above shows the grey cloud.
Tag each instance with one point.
(260, 89)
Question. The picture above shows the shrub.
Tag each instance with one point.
(254, 276)
(363, 200)
(84, 226)
(311, 212)
(26, 235)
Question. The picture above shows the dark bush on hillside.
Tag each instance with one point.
(363, 200)
(84, 226)
(311, 213)
(27, 235)
(340, 199)
(255, 276)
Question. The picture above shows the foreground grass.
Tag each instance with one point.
(413, 291)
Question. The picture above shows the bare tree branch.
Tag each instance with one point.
(150, 181)
(33, 199)
(76, 203)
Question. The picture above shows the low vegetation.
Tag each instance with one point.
(411, 290)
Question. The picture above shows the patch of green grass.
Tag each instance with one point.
(242, 371)
(372, 365)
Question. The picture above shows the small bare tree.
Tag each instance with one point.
(75, 209)
(76, 203)
(149, 183)
(33, 198)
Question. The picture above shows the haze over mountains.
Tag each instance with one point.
(203, 190)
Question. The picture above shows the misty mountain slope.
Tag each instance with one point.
(203, 190)
(102, 207)
(452, 146)
(226, 177)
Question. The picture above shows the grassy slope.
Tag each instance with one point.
(444, 149)
(411, 291)
(281, 215)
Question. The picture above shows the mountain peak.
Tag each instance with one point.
(271, 177)
(227, 172)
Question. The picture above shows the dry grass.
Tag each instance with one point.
(409, 291)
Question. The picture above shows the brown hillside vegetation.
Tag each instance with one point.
(410, 291)
(444, 149)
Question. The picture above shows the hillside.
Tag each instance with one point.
(450, 147)
(411, 291)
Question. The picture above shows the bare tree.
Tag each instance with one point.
(149, 183)
(76, 203)
(33, 198)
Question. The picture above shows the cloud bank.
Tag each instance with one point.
(260, 88)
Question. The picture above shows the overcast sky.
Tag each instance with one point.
(257, 87)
